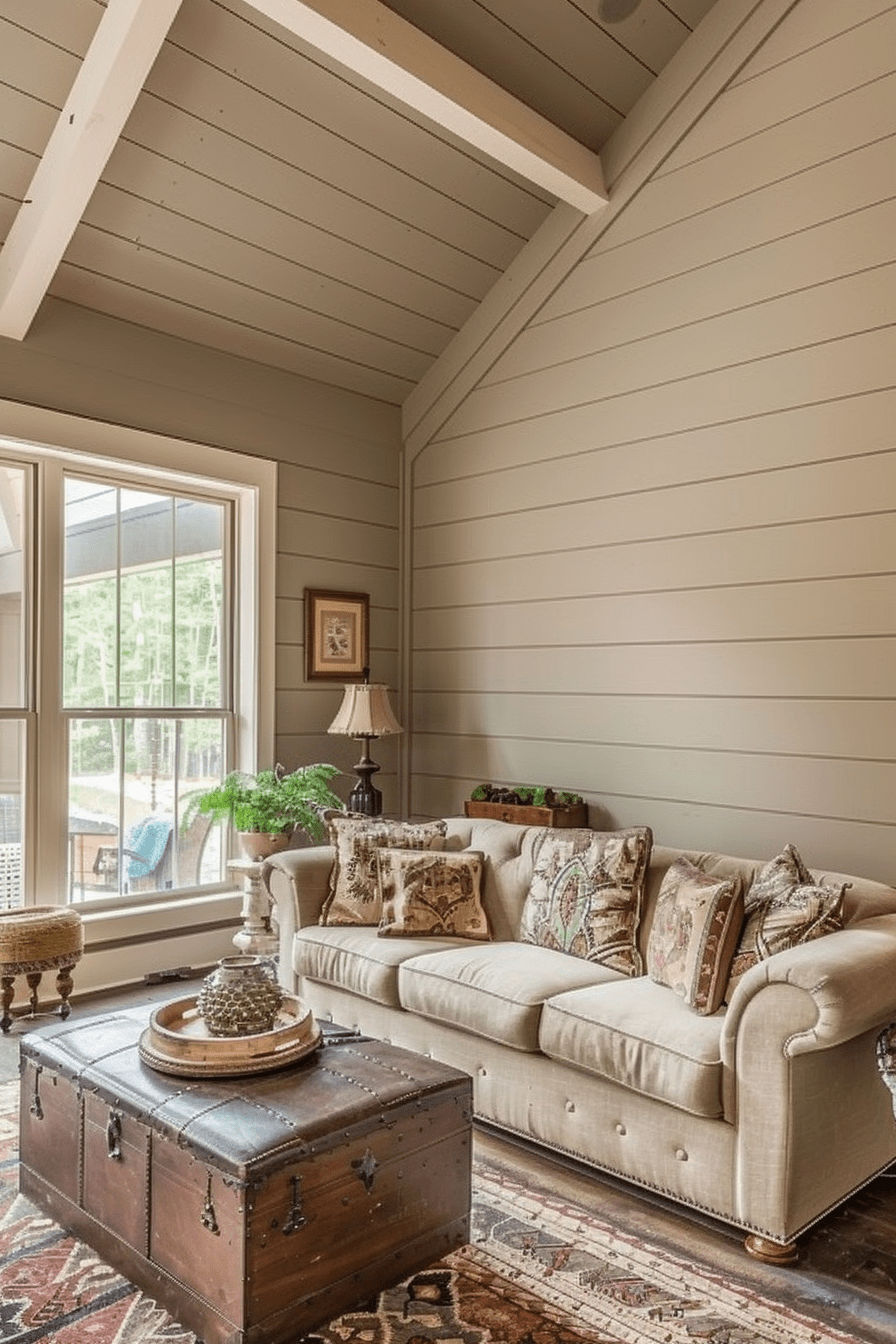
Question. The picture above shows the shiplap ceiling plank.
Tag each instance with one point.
(379, 46)
(386, 228)
(323, 97)
(321, 259)
(107, 84)
(180, 145)
(291, 136)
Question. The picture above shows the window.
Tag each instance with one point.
(145, 687)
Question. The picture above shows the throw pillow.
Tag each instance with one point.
(585, 895)
(431, 895)
(695, 931)
(354, 891)
(785, 906)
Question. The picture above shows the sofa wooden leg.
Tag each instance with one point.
(771, 1252)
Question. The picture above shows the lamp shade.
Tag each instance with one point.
(365, 712)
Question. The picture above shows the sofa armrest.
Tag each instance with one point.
(297, 882)
(848, 978)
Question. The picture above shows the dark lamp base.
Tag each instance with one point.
(365, 797)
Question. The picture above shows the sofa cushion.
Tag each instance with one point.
(695, 931)
(585, 895)
(784, 906)
(357, 960)
(492, 989)
(642, 1036)
(427, 895)
(354, 891)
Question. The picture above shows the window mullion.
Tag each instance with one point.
(47, 861)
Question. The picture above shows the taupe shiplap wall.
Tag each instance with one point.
(654, 547)
(337, 480)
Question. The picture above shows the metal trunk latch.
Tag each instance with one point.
(366, 1167)
(36, 1108)
(208, 1217)
(296, 1217)
(113, 1136)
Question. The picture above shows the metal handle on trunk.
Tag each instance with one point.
(113, 1136)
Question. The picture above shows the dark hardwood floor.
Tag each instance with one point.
(846, 1275)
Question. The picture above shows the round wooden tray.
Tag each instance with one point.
(177, 1041)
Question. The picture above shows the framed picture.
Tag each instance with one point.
(337, 635)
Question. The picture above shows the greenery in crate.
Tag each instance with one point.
(271, 800)
(525, 795)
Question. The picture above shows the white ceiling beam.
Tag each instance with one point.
(383, 48)
(124, 46)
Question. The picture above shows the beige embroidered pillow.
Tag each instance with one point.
(354, 892)
(431, 895)
(695, 931)
(785, 906)
(585, 895)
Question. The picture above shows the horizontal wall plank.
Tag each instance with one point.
(760, 281)
(343, 538)
(518, 465)
(332, 493)
(789, 80)
(778, 381)
(809, 26)
(846, 307)
(795, 495)
(787, 148)
(800, 668)
(854, 546)
(838, 789)
(830, 608)
(840, 729)
(328, 571)
(831, 190)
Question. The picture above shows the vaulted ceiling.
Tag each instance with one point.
(326, 186)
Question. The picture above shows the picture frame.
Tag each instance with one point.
(337, 635)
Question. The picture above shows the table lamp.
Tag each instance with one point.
(365, 712)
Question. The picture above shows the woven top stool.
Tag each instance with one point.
(33, 940)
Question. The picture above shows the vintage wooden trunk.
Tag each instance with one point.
(252, 1209)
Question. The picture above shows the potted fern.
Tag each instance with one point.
(266, 808)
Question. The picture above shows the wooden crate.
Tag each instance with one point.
(522, 815)
(253, 1210)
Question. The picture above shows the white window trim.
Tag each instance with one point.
(93, 445)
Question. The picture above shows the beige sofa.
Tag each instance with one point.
(765, 1114)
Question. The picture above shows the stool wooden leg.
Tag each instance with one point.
(7, 982)
(64, 986)
(34, 979)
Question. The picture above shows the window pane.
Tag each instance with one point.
(12, 757)
(13, 547)
(144, 590)
(129, 784)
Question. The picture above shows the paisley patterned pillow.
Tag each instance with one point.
(784, 906)
(695, 931)
(354, 893)
(431, 895)
(585, 895)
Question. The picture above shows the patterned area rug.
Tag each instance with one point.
(538, 1271)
